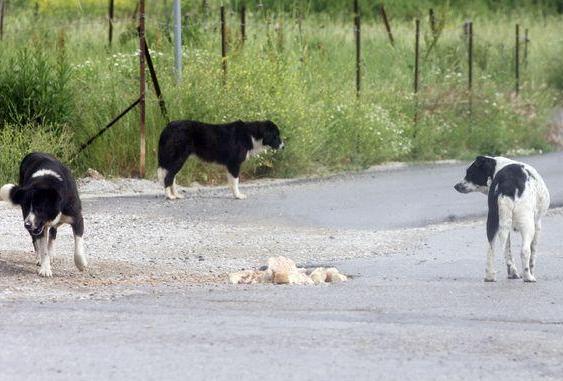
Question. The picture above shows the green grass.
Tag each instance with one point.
(300, 76)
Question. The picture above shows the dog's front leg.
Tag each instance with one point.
(233, 178)
(36, 249)
(80, 260)
(43, 249)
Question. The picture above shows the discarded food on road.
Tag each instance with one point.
(282, 270)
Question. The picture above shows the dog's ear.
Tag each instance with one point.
(480, 161)
(486, 164)
(13, 194)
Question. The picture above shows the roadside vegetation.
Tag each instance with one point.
(60, 83)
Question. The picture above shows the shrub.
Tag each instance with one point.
(34, 88)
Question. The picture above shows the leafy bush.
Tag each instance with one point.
(34, 88)
(17, 141)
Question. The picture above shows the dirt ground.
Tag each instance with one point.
(130, 252)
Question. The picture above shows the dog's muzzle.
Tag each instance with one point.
(461, 188)
(34, 231)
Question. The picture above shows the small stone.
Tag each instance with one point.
(333, 276)
(281, 264)
(318, 275)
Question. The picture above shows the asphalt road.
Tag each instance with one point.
(412, 196)
(422, 315)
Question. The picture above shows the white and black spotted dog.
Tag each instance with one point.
(226, 144)
(518, 199)
(48, 197)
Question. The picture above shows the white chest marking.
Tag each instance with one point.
(257, 147)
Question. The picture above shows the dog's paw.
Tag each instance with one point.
(171, 197)
(240, 196)
(513, 273)
(45, 272)
(80, 262)
(490, 277)
(527, 277)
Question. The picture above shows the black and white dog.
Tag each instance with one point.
(48, 197)
(226, 144)
(518, 199)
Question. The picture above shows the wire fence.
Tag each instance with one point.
(231, 24)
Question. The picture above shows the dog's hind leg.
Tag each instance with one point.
(500, 240)
(510, 266)
(233, 171)
(533, 247)
(80, 260)
(169, 177)
(528, 232)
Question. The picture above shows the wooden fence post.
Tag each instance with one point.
(242, 25)
(142, 55)
(470, 57)
(387, 25)
(416, 63)
(2, 11)
(357, 33)
(110, 19)
(470, 67)
(517, 60)
(223, 45)
(526, 41)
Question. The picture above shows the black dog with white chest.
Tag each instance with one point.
(225, 144)
(48, 197)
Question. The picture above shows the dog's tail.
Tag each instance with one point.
(6, 193)
(161, 174)
(493, 216)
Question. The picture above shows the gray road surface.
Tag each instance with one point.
(413, 196)
(423, 315)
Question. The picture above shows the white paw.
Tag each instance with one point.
(46, 272)
(527, 277)
(490, 277)
(171, 197)
(80, 262)
(240, 196)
